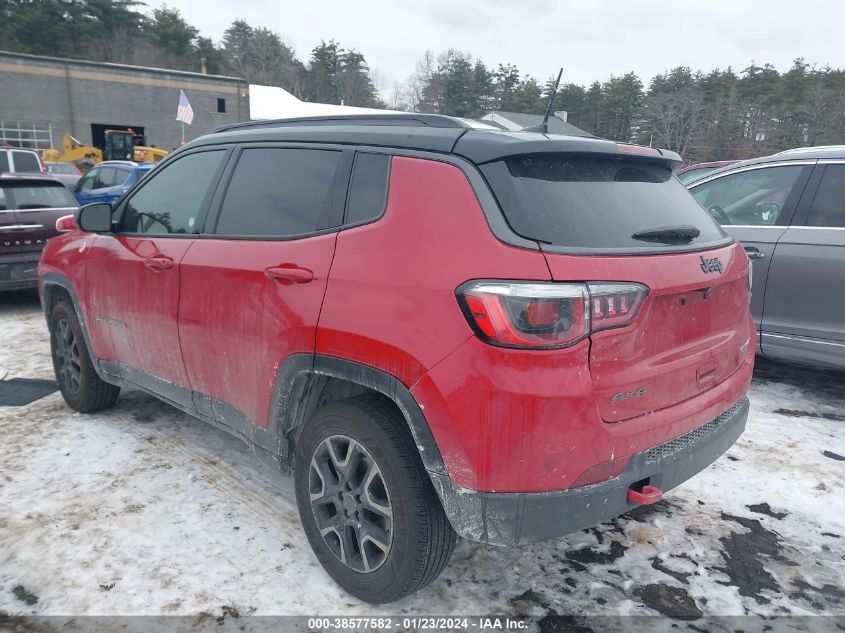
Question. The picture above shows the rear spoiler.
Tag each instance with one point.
(484, 147)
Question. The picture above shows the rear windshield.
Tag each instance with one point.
(36, 196)
(62, 168)
(587, 203)
(26, 161)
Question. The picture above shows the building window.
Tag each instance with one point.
(221, 106)
(25, 134)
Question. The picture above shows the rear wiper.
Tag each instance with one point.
(668, 234)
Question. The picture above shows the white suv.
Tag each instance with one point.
(13, 159)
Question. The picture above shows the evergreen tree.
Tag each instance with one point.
(170, 33)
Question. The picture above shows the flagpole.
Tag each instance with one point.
(183, 132)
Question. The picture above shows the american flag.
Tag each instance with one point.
(184, 113)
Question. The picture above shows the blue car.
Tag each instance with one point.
(109, 180)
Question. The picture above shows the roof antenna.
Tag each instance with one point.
(543, 127)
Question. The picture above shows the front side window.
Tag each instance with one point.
(87, 182)
(4, 161)
(172, 200)
(753, 197)
(106, 177)
(111, 177)
(829, 204)
(279, 192)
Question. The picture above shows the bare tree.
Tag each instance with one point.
(420, 81)
(676, 117)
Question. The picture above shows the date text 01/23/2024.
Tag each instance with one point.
(434, 623)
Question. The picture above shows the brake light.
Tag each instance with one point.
(546, 315)
(626, 148)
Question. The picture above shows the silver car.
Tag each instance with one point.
(788, 210)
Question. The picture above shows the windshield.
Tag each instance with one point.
(695, 174)
(586, 202)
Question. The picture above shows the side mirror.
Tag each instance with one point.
(768, 211)
(95, 218)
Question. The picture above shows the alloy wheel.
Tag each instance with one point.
(69, 368)
(351, 503)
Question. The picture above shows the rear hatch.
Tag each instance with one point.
(38, 203)
(625, 218)
(9, 247)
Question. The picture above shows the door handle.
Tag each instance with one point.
(289, 274)
(754, 253)
(158, 263)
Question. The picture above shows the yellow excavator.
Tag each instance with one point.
(119, 145)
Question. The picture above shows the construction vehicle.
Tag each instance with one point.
(119, 145)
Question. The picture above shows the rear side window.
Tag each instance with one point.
(37, 196)
(368, 189)
(279, 192)
(172, 200)
(26, 161)
(4, 161)
(829, 204)
(584, 202)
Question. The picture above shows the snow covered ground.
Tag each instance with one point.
(144, 510)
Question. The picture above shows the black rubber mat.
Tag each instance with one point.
(17, 392)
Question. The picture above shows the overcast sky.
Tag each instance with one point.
(590, 39)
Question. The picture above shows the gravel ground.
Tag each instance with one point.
(144, 510)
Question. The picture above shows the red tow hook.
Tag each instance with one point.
(646, 496)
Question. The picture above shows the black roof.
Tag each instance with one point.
(425, 132)
(556, 125)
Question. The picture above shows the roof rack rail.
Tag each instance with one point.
(402, 119)
(801, 150)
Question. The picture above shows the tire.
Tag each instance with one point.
(369, 432)
(81, 387)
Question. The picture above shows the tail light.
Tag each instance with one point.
(66, 223)
(614, 305)
(546, 315)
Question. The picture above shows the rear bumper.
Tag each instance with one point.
(515, 518)
(19, 274)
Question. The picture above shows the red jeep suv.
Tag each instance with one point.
(507, 336)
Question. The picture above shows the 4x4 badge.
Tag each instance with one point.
(711, 264)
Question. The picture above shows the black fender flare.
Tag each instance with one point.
(55, 279)
(285, 418)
